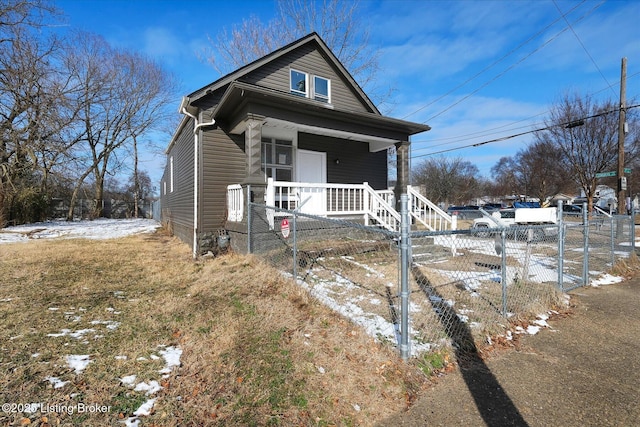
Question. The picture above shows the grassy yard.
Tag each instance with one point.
(253, 348)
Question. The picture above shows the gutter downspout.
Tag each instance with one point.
(196, 145)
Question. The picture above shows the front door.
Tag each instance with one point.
(311, 167)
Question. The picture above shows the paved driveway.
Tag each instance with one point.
(584, 371)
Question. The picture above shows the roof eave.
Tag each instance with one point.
(245, 89)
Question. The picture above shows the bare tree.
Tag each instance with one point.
(540, 171)
(447, 180)
(123, 95)
(30, 98)
(504, 177)
(586, 133)
(139, 189)
(336, 21)
(17, 15)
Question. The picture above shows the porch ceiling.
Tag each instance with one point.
(375, 144)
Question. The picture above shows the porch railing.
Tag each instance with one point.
(235, 203)
(356, 200)
(375, 207)
(323, 199)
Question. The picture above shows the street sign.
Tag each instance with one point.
(612, 173)
(605, 174)
(284, 227)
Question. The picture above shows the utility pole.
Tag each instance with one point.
(622, 180)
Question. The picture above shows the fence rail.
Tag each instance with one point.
(423, 290)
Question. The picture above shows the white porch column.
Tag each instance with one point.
(252, 150)
(252, 147)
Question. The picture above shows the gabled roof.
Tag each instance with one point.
(311, 38)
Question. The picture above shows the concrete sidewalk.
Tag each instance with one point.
(584, 371)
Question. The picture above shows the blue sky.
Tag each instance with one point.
(473, 70)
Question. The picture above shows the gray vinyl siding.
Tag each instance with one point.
(275, 75)
(357, 164)
(208, 103)
(223, 164)
(177, 205)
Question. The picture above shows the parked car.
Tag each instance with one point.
(526, 204)
(513, 218)
(493, 206)
(572, 210)
(465, 212)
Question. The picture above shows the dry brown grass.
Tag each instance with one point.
(626, 267)
(257, 350)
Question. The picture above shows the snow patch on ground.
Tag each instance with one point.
(606, 279)
(171, 357)
(78, 362)
(98, 229)
(56, 382)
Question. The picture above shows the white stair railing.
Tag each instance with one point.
(381, 211)
(427, 213)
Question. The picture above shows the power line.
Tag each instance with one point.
(571, 123)
(491, 131)
(510, 67)
(500, 60)
(476, 135)
(533, 37)
(583, 46)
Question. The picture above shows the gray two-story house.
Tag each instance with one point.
(294, 120)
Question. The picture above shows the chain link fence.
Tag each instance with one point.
(350, 267)
(427, 291)
(593, 246)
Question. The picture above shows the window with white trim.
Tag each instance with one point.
(277, 159)
(299, 83)
(321, 89)
(310, 86)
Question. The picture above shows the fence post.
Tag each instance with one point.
(632, 220)
(632, 231)
(404, 278)
(613, 239)
(585, 249)
(561, 237)
(294, 229)
(249, 218)
(503, 270)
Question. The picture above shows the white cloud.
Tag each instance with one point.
(161, 43)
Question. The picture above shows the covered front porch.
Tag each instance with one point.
(298, 140)
(308, 156)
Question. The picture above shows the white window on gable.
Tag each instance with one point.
(310, 86)
(299, 83)
(321, 89)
